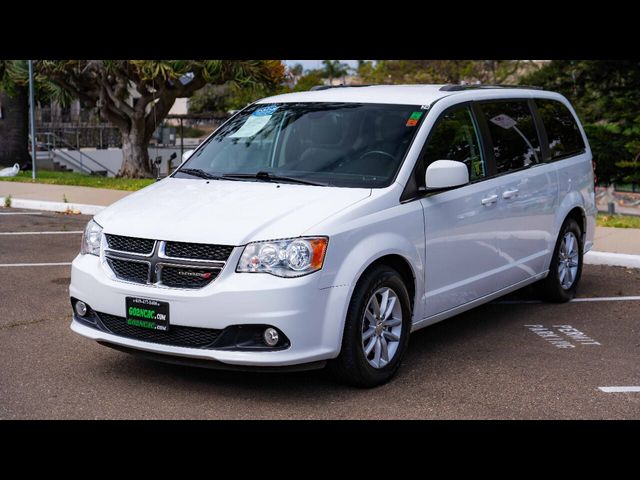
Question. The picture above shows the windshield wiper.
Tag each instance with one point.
(198, 172)
(269, 177)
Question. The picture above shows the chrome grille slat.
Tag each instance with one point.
(163, 270)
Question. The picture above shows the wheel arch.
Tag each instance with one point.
(571, 207)
(401, 265)
(579, 215)
(386, 248)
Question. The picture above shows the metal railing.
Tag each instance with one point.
(53, 144)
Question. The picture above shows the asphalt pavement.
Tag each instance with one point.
(513, 359)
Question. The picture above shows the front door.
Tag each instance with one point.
(462, 254)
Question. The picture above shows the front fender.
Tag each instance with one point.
(360, 256)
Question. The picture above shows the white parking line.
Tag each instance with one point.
(606, 299)
(575, 300)
(619, 389)
(41, 233)
(20, 213)
(52, 264)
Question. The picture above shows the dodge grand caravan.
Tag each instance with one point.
(323, 227)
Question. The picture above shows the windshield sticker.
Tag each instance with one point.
(270, 110)
(413, 119)
(252, 126)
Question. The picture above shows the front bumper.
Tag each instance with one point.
(312, 318)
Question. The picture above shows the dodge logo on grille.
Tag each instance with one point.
(187, 273)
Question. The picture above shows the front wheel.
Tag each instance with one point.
(376, 331)
(566, 265)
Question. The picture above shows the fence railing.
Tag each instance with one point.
(85, 136)
(54, 143)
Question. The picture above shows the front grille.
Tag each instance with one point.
(198, 251)
(188, 261)
(129, 270)
(130, 244)
(178, 336)
(179, 277)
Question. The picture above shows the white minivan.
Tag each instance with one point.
(323, 227)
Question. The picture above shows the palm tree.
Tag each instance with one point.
(334, 69)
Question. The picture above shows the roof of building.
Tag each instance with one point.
(393, 94)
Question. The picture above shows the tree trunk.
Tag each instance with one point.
(135, 154)
(14, 129)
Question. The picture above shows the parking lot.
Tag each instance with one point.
(513, 359)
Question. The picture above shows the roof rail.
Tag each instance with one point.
(459, 88)
(327, 87)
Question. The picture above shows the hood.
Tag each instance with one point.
(224, 212)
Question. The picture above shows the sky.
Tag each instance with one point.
(309, 64)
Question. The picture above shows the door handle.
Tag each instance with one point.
(510, 193)
(490, 199)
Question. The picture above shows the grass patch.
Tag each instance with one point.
(618, 221)
(81, 180)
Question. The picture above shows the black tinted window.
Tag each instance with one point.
(562, 131)
(455, 138)
(513, 132)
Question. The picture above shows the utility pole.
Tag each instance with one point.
(32, 115)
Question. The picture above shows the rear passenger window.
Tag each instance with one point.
(455, 138)
(514, 135)
(563, 133)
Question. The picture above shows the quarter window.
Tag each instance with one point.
(455, 137)
(513, 133)
(563, 133)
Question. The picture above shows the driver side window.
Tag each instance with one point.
(455, 137)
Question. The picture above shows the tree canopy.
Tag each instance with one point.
(136, 95)
(442, 71)
(606, 96)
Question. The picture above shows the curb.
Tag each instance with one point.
(612, 259)
(80, 208)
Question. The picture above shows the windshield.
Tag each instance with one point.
(338, 144)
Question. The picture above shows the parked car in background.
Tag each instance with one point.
(323, 227)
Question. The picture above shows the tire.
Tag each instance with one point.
(552, 288)
(353, 366)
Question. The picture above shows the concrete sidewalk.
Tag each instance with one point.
(617, 240)
(57, 193)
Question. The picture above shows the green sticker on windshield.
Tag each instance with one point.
(415, 115)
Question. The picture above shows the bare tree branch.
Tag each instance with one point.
(120, 104)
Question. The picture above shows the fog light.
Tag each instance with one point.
(81, 308)
(271, 337)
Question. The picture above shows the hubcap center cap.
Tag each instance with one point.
(379, 327)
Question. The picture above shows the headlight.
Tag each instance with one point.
(91, 239)
(293, 257)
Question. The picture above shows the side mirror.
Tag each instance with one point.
(187, 154)
(443, 174)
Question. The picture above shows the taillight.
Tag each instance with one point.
(595, 178)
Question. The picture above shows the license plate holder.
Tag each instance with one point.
(147, 313)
